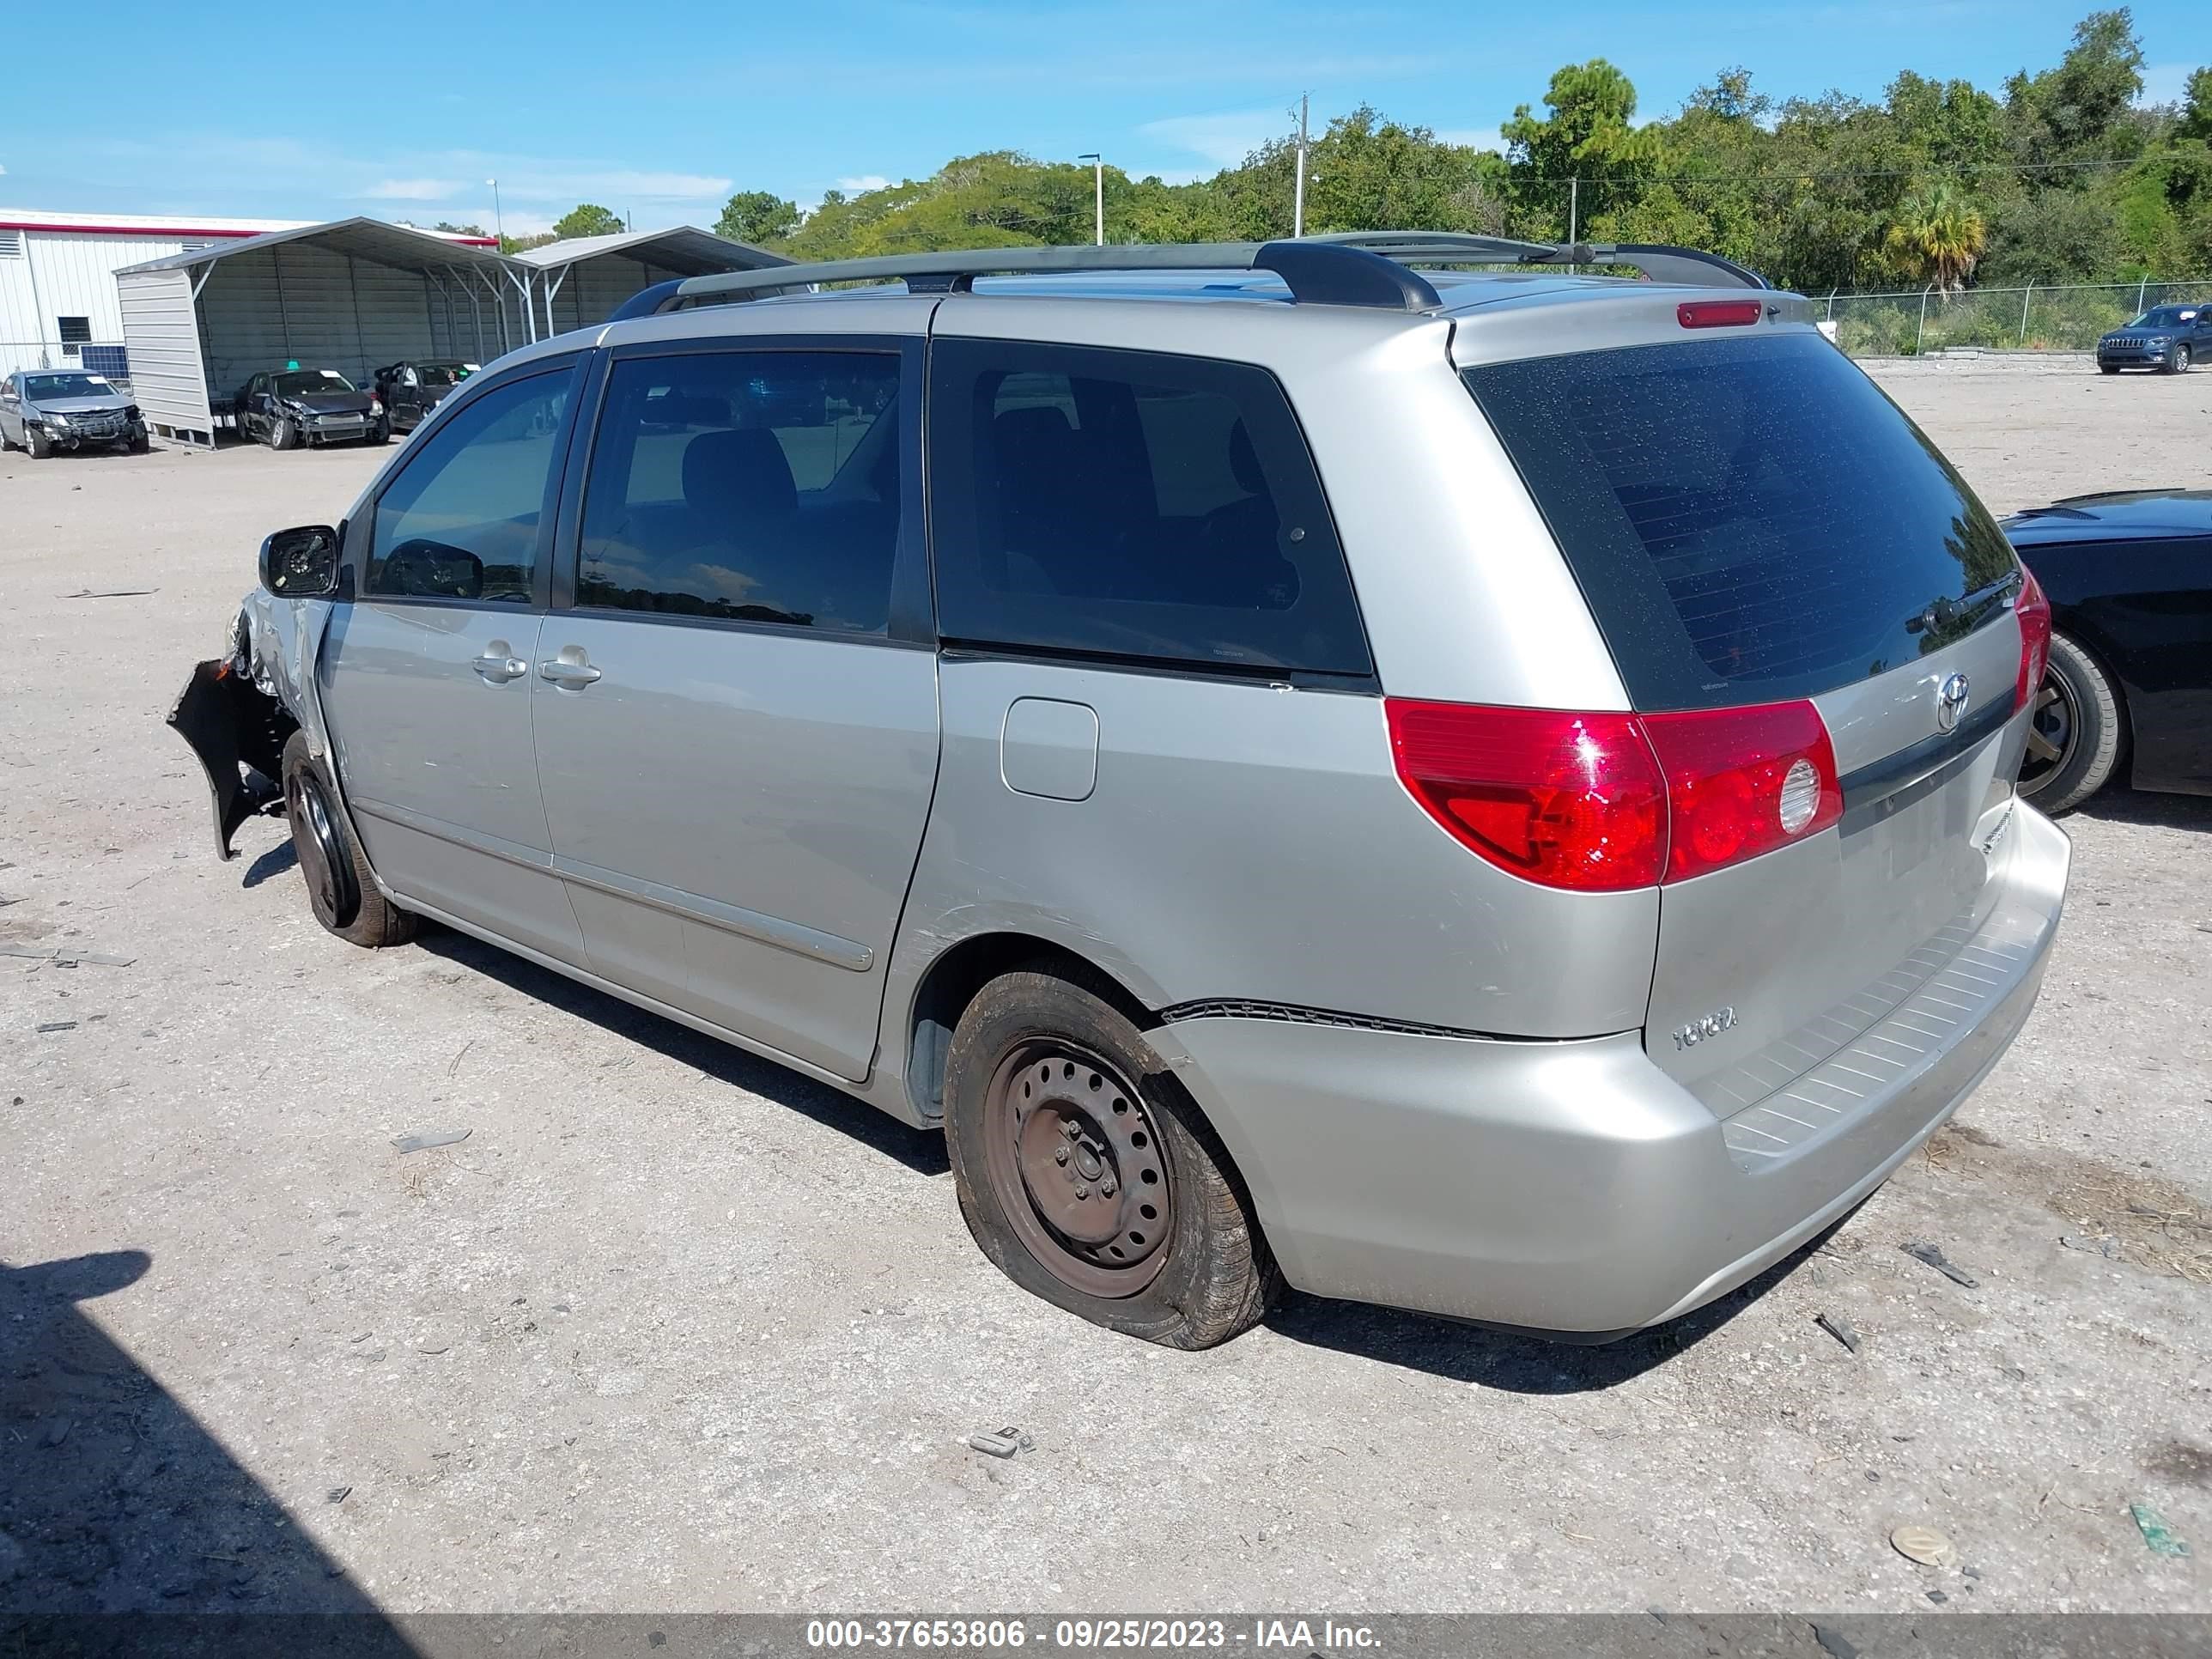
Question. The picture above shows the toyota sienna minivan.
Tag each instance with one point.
(1485, 791)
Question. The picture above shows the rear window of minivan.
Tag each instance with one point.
(1750, 520)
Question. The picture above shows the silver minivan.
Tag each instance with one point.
(1487, 791)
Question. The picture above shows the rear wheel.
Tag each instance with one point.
(341, 891)
(2074, 735)
(1088, 1175)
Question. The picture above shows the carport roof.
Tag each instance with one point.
(684, 249)
(364, 238)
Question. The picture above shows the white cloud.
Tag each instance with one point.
(413, 190)
(863, 181)
(2165, 84)
(1224, 140)
(553, 182)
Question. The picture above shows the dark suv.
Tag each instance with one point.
(2169, 339)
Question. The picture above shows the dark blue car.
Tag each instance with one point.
(2169, 339)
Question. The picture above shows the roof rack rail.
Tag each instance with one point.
(1662, 262)
(1368, 268)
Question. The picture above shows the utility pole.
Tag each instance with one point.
(1574, 208)
(1098, 178)
(498, 218)
(1298, 198)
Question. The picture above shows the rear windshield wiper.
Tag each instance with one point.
(1944, 611)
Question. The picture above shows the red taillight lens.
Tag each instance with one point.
(2034, 613)
(1718, 314)
(1604, 802)
(1569, 801)
(1743, 781)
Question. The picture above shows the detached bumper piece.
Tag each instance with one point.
(238, 732)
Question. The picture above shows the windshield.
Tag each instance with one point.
(311, 381)
(2166, 317)
(40, 387)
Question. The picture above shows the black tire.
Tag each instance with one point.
(2183, 359)
(2108, 368)
(1203, 1274)
(37, 443)
(2076, 731)
(142, 444)
(381, 432)
(282, 434)
(341, 891)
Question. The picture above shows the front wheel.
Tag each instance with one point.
(2074, 734)
(2183, 359)
(37, 443)
(283, 434)
(2108, 368)
(341, 891)
(380, 432)
(1088, 1175)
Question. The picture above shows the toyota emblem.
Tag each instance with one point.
(1950, 702)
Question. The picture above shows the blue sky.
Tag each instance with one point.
(404, 111)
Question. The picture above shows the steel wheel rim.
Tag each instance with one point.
(1075, 1161)
(329, 881)
(2054, 732)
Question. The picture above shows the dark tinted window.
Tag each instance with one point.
(1132, 505)
(461, 519)
(753, 486)
(1750, 520)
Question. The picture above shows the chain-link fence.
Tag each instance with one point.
(2032, 319)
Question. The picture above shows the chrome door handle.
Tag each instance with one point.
(498, 669)
(576, 676)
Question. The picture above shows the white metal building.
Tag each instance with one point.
(57, 288)
(581, 281)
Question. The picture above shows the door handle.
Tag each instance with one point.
(567, 674)
(497, 667)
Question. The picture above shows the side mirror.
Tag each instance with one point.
(301, 563)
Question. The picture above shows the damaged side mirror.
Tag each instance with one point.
(301, 563)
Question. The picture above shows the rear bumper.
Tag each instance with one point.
(1573, 1188)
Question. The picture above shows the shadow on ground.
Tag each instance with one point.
(2138, 806)
(116, 1501)
(921, 1151)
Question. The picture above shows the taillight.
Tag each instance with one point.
(1718, 314)
(1568, 800)
(2034, 613)
(1605, 802)
(1743, 782)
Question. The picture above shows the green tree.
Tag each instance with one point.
(587, 219)
(757, 217)
(1588, 136)
(458, 230)
(2197, 111)
(1937, 234)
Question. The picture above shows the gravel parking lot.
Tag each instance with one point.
(676, 1329)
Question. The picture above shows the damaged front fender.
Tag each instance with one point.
(238, 712)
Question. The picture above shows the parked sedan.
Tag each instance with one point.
(2128, 692)
(45, 409)
(2170, 339)
(297, 406)
(412, 390)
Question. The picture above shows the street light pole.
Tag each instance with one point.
(1098, 178)
(498, 218)
(1299, 203)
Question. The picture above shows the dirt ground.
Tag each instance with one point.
(673, 1328)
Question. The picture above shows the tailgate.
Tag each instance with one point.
(1754, 524)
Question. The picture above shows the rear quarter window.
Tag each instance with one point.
(1750, 520)
(1129, 504)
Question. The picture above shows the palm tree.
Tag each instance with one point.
(1937, 233)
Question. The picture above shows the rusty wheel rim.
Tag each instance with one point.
(1076, 1164)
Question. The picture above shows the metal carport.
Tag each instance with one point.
(352, 295)
(580, 282)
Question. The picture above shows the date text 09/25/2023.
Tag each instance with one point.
(987, 1636)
